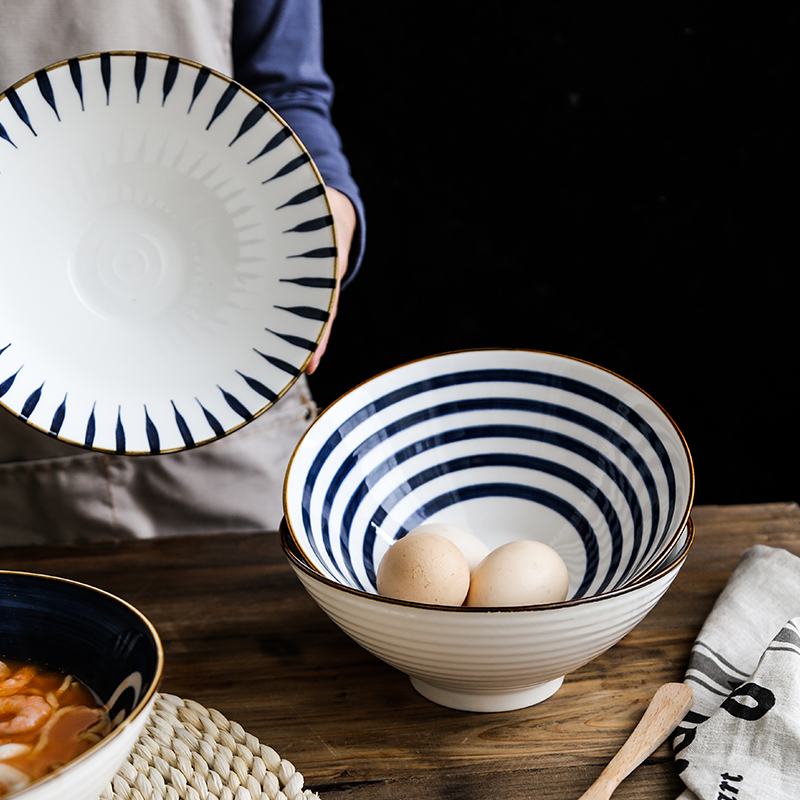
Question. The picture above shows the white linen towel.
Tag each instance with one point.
(741, 738)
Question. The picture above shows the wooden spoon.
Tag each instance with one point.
(667, 708)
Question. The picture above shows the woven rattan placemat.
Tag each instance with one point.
(188, 752)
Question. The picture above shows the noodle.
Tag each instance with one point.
(46, 719)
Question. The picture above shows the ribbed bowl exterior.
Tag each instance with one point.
(490, 651)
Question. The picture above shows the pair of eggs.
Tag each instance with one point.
(442, 564)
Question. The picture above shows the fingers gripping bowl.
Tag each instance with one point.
(98, 639)
(507, 444)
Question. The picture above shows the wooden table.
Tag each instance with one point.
(242, 636)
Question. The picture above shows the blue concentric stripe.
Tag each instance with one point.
(500, 431)
(533, 463)
(534, 377)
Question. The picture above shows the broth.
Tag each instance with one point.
(46, 719)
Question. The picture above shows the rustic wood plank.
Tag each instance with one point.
(241, 635)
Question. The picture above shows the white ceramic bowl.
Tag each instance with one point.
(507, 444)
(476, 659)
(101, 640)
(189, 264)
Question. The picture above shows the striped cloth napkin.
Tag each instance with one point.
(741, 738)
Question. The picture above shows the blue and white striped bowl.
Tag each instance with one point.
(507, 444)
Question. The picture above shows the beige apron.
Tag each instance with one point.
(55, 492)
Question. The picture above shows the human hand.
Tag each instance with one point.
(344, 221)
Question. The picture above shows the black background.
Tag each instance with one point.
(607, 181)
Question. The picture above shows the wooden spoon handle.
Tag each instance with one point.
(667, 708)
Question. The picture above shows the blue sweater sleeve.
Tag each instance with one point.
(277, 53)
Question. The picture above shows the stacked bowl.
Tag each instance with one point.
(508, 445)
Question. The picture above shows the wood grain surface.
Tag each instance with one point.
(241, 635)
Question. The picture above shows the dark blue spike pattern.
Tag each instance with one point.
(248, 130)
(280, 364)
(601, 439)
(58, 417)
(316, 224)
(30, 404)
(230, 92)
(250, 120)
(91, 430)
(319, 252)
(290, 167)
(281, 136)
(120, 433)
(199, 82)
(77, 78)
(4, 135)
(215, 424)
(183, 428)
(312, 283)
(139, 72)
(304, 197)
(237, 405)
(307, 312)
(297, 341)
(105, 71)
(46, 88)
(19, 108)
(258, 387)
(152, 433)
(6, 384)
(170, 75)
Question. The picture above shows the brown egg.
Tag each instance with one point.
(424, 568)
(519, 573)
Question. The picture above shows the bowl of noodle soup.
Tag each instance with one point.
(79, 669)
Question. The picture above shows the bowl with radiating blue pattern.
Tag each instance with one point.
(506, 444)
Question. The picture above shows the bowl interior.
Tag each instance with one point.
(83, 631)
(506, 444)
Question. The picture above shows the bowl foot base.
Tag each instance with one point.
(489, 701)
